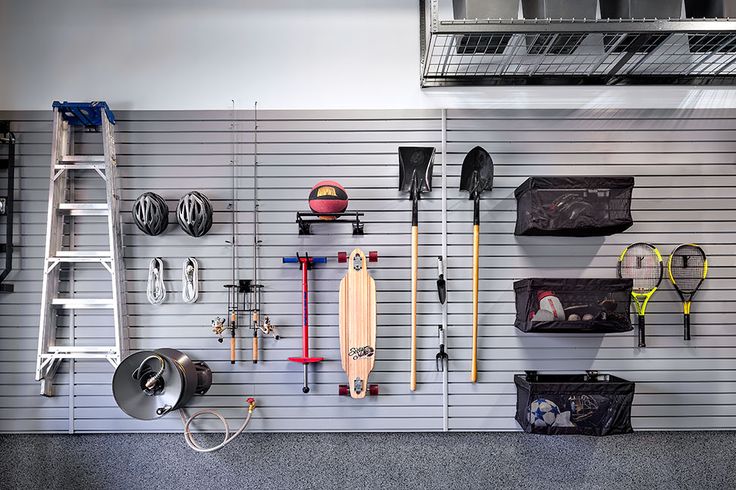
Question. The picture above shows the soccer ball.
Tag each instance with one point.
(543, 412)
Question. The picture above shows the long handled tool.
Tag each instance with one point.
(305, 263)
(252, 289)
(232, 322)
(415, 177)
(476, 176)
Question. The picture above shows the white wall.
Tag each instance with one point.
(200, 54)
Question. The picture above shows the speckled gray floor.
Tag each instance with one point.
(472, 460)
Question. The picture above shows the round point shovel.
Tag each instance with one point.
(476, 176)
(415, 177)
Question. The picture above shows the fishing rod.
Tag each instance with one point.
(252, 289)
(219, 325)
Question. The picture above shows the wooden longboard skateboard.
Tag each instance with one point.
(358, 323)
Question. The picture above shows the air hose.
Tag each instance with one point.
(190, 280)
(155, 289)
(227, 439)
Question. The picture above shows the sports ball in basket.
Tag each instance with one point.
(328, 197)
(543, 412)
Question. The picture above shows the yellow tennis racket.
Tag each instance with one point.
(642, 263)
(687, 268)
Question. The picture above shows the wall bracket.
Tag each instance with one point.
(306, 220)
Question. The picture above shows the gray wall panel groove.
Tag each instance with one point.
(683, 164)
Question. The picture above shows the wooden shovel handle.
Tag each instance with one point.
(255, 347)
(474, 366)
(414, 258)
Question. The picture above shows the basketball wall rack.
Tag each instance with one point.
(305, 220)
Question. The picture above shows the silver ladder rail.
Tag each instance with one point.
(63, 161)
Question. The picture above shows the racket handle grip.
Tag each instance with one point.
(687, 326)
(642, 332)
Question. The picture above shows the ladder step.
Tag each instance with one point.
(72, 303)
(84, 209)
(80, 348)
(83, 253)
(81, 256)
(80, 166)
(83, 159)
(80, 353)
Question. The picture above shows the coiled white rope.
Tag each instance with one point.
(155, 289)
(226, 440)
(190, 280)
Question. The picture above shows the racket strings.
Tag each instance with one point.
(687, 267)
(641, 264)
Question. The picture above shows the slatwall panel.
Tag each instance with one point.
(683, 163)
(685, 178)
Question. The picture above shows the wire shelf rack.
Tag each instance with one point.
(488, 52)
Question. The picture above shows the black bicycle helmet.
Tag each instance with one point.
(194, 214)
(151, 214)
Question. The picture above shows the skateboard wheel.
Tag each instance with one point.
(373, 390)
(343, 390)
(342, 257)
(373, 256)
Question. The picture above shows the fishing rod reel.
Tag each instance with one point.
(244, 297)
(251, 302)
(231, 321)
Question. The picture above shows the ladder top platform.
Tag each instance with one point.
(84, 113)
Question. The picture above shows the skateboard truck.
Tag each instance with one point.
(342, 257)
(305, 263)
(344, 390)
(441, 357)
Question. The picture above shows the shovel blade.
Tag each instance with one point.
(476, 175)
(442, 290)
(415, 168)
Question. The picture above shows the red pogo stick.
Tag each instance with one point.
(305, 263)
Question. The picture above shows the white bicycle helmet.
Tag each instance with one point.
(151, 214)
(194, 214)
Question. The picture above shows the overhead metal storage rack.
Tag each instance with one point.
(579, 51)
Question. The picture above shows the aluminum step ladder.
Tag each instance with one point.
(67, 117)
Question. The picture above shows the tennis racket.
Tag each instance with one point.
(641, 262)
(687, 268)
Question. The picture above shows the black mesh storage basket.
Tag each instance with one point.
(590, 404)
(573, 206)
(588, 305)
